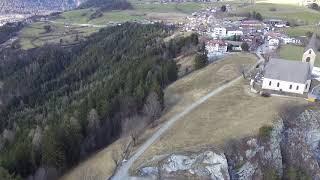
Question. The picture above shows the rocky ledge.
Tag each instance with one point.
(290, 149)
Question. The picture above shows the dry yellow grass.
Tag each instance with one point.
(233, 114)
(99, 166)
(177, 97)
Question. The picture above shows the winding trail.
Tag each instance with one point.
(122, 173)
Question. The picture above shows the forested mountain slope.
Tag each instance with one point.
(58, 105)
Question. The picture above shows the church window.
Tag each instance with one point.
(308, 59)
(270, 83)
(290, 87)
(278, 85)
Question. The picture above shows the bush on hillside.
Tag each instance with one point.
(265, 131)
(201, 59)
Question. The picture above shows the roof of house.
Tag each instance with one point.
(312, 43)
(288, 70)
(214, 42)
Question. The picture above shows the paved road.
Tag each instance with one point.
(122, 173)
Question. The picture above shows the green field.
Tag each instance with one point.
(301, 30)
(295, 53)
(66, 25)
(142, 10)
(34, 35)
(292, 13)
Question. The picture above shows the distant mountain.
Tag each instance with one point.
(37, 6)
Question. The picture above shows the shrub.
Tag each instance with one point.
(265, 131)
(270, 174)
(314, 6)
(223, 8)
(297, 174)
(200, 61)
(245, 46)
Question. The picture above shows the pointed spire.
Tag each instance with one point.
(312, 43)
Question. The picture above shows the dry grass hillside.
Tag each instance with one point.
(177, 97)
(233, 114)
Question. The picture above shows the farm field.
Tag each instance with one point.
(292, 52)
(35, 35)
(142, 10)
(301, 30)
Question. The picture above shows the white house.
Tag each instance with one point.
(274, 42)
(287, 76)
(216, 46)
(287, 40)
(234, 33)
(219, 32)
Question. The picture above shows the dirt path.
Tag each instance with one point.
(122, 173)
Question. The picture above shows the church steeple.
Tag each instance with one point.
(310, 52)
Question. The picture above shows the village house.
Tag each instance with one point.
(289, 40)
(219, 32)
(273, 42)
(235, 45)
(276, 23)
(252, 24)
(216, 47)
(234, 33)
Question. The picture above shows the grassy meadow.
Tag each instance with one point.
(292, 52)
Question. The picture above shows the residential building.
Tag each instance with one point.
(219, 32)
(273, 42)
(216, 46)
(252, 24)
(234, 33)
(287, 76)
(286, 40)
(235, 45)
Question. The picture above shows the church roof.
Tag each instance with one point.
(287, 70)
(312, 43)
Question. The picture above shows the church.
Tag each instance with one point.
(291, 76)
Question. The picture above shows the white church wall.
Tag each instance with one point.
(285, 86)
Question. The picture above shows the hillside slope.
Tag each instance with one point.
(59, 105)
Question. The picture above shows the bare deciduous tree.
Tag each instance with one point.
(37, 138)
(93, 120)
(152, 107)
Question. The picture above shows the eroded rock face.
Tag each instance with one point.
(293, 145)
(300, 144)
(207, 164)
(252, 157)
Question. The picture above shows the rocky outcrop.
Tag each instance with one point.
(207, 164)
(252, 157)
(300, 144)
(291, 150)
